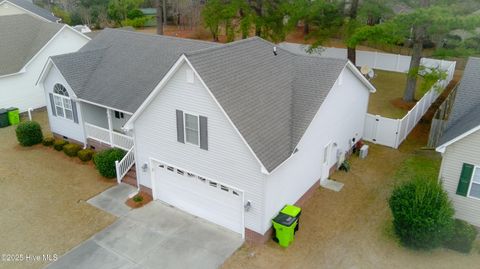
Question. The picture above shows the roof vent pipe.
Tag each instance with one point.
(275, 51)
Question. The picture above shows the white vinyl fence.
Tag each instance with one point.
(378, 129)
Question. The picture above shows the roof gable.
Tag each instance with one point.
(34, 9)
(19, 46)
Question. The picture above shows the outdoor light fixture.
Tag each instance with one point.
(247, 205)
(144, 167)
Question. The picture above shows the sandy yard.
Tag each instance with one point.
(44, 193)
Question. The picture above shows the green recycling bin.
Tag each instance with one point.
(293, 211)
(3, 118)
(13, 115)
(284, 226)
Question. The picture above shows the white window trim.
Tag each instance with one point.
(62, 97)
(185, 127)
(471, 182)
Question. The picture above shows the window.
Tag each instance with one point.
(191, 129)
(475, 184)
(63, 104)
(119, 115)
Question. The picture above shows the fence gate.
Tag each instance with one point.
(380, 130)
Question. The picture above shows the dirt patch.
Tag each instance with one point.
(402, 104)
(44, 193)
(146, 198)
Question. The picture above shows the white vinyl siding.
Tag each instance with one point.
(466, 150)
(227, 159)
(474, 190)
(20, 90)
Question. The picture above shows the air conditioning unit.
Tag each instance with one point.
(363, 152)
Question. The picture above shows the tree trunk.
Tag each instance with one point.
(306, 28)
(164, 8)
(258, 7)
(159, 18)
(418, 38)
(351, 51)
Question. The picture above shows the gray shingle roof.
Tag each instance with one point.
(22, 37)
(28, 5)
(134, 64)
(465, 114)
(270, 99)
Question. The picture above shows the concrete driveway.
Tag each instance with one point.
(155, 236)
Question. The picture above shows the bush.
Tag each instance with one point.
(86, 154)
(462, 237)
(137, 198)
(59, 144)
(29, 133)
(422, 213)
(71, 149)
(48, 141)
(105, 161)
(137, 22)
(134, 13)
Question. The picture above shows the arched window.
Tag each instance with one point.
(63, 104)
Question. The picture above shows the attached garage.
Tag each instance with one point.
(206, 198)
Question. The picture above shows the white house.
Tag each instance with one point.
(26, 43)
(230, 133)
(460, 147)
(17, 7)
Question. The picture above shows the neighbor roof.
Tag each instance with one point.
(22, 37)
(123, 67)
(28, 5)
(465, 114)
(271, 99)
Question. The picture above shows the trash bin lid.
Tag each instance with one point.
(12, 108)
(291, 210)
(3, 110)
(284, 219)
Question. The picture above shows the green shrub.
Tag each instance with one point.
(422, 213)
(137, 22)
(71, 149)
(48, 141)
(86, 154)
(29, 133)
(59, 144)
(137, 198)
(462, 237)
(105, 161)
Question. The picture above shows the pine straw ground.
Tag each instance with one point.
(43, 194)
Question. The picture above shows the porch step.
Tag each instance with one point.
(131, 177)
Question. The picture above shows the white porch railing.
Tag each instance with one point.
(123, 166)
(118, 140)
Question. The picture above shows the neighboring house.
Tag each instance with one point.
(25, 45)
(16, 7)
(460, 147)
(230, 133)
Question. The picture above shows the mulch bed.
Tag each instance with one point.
(146, 199)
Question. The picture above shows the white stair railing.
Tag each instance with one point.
(123, 166)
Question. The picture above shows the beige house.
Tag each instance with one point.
(460, 147)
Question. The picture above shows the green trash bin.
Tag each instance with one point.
(293, 211)
(284, 226)
(13, 115)
(3, 118)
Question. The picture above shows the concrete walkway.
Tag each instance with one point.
(154, 236)
(113, 199)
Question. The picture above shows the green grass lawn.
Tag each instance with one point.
(390, 86)
(424, 164)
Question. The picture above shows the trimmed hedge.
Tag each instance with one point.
(105, 161)
(86, 155)
(29, 133)
(71, 149)
(48, 141)
(59, 144)
(422, 213)
(462, 237)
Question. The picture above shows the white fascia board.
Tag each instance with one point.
(442, 147)
(359, 75)
(28, 11)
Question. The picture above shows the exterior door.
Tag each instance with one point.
(199, 196)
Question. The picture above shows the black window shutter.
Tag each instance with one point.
(203, 133)
(180, 131)
(465, 177)
(74, 111)
(52, 103)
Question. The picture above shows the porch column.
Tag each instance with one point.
(110, 127)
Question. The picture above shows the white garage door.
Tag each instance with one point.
(199, 196)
